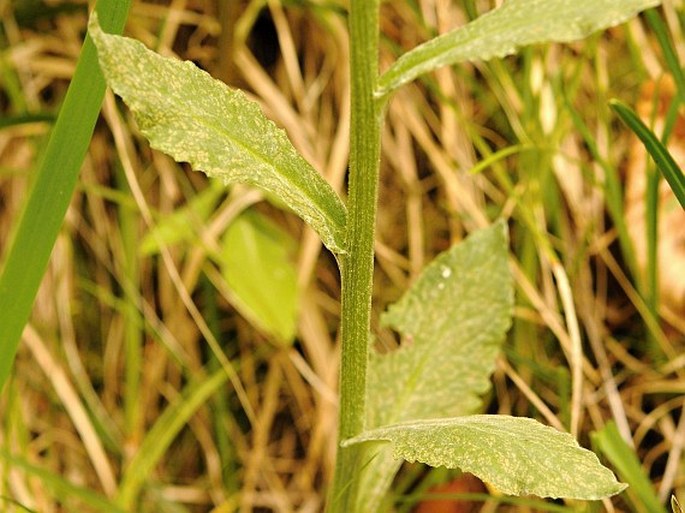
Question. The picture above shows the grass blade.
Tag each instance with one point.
(664, 161)
(670, 55)
(628, 468)
(163, 433)
(52, 189)
(61, 486)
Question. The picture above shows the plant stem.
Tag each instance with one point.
(357, 263)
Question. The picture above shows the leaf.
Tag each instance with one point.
(519, 456)
(453, 321)
(258, 266)
(159, 437)
(624, 460)
(58, 487)
(24, 258)
(180, 226)
(662, 157)
(502, 31)
(194, 118)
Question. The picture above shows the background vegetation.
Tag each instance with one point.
(117, 402)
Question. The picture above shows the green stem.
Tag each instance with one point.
(130, 278)
(357, 263)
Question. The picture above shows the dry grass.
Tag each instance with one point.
(115, 336)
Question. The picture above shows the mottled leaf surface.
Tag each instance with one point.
(502, 31)
(519, 456)
(453, 321)
(194, 118)
(257, 262)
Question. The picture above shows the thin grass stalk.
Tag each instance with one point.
(133, 336)
(219, 410)
(673, 174)
(654, 178)
(43, 212)
(670, 55)
(651, 291)
(612, 187)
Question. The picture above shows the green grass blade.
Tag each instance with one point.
(52, 189)
(623, 458)
(163, 433)
(612, 186)
(652, 197)
(18, 504)
(664, 161)
(61, 486)
(22, 119)
(670, 55)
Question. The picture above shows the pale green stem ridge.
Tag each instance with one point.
(357, 263)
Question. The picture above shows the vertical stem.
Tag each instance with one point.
(357, 263)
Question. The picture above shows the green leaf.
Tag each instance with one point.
(622, 457)
(60, 486)
(662, 157)
(519, 456)
(502, 31)
(453, 321)
(33, 237)
(160, 436)
(258, 266)
(194, 118)
(180, 226)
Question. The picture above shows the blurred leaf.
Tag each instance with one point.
(453, 321)
(519, 456)
(182, 224)
(504, 30)
(29, 13)
(24, 119)
(194, 118)
(162, 433)
(60, 486)
(663, 159)
(623, 458)
(257, 263)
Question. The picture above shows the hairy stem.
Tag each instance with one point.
(357, 262)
